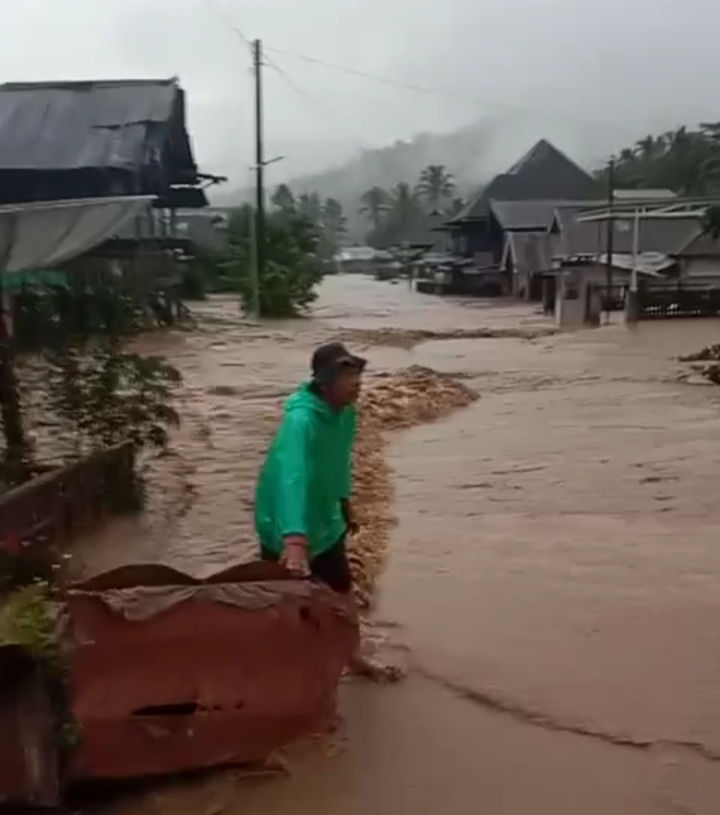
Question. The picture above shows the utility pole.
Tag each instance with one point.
(259, 230)
(610, 237)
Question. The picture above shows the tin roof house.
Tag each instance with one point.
(78, 140)
(522, 199)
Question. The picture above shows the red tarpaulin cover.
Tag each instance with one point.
(171, 674)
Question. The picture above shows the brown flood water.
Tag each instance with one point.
(553, 580)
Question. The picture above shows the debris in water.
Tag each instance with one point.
(711, 354)
(393, 401)
(408, 338)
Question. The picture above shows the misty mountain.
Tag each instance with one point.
(467, 154)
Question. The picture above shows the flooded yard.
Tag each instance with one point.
(552, 580)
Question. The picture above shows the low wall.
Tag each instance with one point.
(48, 506)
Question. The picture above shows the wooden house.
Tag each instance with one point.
(64, 141)
(523, 199)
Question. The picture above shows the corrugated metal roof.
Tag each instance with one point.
(534, 215)
(543, 173)
(666, 235)
(72, 125)
(700, 245)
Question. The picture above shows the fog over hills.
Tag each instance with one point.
(473, 154)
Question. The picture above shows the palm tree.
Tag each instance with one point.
(283, 198)
(333, 217)
(374, 205)
(435, 185)
(404, 205)
(310, 206)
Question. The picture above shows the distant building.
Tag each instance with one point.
(524, 198)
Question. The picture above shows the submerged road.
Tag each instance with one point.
(554, 577)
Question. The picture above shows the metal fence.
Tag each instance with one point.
(662, 302)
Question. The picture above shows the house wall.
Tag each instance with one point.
(701, 270)
(578, 299)
(473, 238)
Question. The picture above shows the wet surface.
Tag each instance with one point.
(554, 573)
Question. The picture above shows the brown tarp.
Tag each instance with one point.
(170, 673)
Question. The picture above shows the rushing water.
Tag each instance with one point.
(554, 575)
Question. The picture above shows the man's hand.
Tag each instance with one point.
(349, 516)
(295, 555)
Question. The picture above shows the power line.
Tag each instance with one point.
(443, 93)
(408, 86)
(220, 12)
(307, 98)
(315, 103)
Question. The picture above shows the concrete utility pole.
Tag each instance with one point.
(258, 233)
(632, 298)
(610, 236)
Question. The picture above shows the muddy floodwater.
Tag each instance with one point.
(553, 581)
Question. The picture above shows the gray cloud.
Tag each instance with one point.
(591, 76)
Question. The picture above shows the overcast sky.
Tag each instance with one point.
(592, 76)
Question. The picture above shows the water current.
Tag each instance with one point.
(553, 580)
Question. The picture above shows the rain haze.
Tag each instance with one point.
(592, 77)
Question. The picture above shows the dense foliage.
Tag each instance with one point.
(395, 216)
(84, 383)
(292, 262)
(685, 161)
(103, 395)
(404, 213)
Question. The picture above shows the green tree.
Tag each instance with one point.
(283, 199)
(374, 205)
(104, 395)
(404, 207)
(683, 160)
(292, 266)
(333, 217)
(711, 222)
(435, 186)
(403, 214)
(72, 330)
(310, 207)
(331, 229)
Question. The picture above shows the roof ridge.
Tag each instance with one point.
(73, 84)
(535, 153)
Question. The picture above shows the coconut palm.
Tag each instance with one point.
(310, 206)
(435, 186)
(404, 206)
(283, 199)
(374, 205)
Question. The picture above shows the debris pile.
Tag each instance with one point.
(394, 401)
(410, 337)
(711, 354)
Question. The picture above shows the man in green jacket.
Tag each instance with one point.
(302, 502)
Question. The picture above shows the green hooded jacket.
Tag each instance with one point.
(306, 475)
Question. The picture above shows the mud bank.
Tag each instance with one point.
(552, 578)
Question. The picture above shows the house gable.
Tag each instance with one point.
(543, 173)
